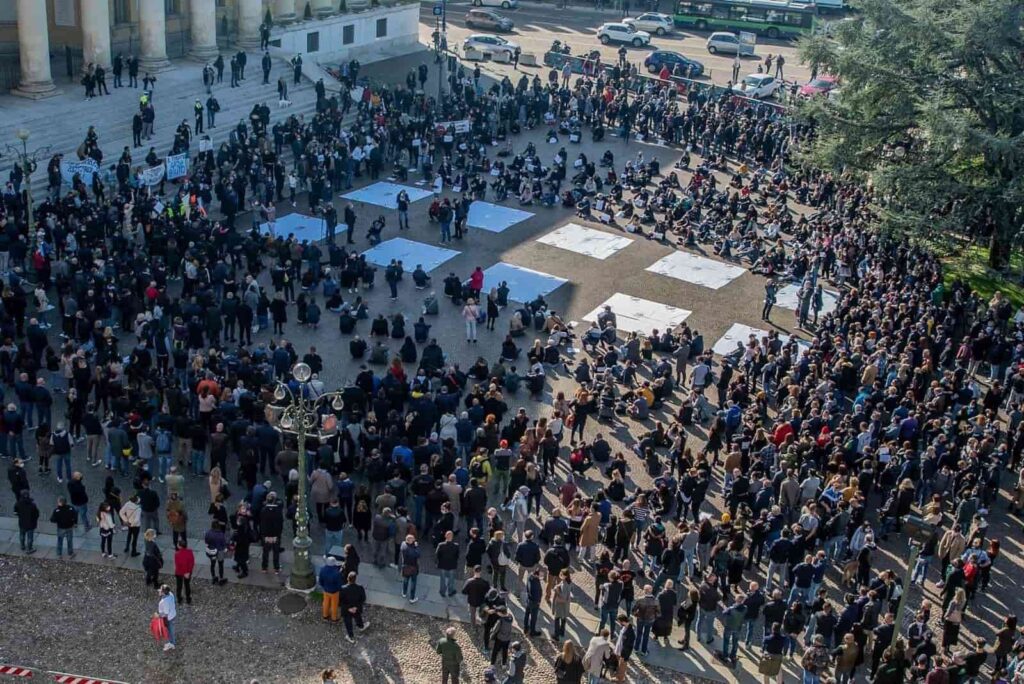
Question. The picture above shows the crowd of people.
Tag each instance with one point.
(750, 501)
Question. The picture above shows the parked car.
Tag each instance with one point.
(488, 19)
(690, 68)
(652, 22)
(759, 86)
(819, 86)
(622, 33)
(728, 43)
(503, 4)
(489, 44)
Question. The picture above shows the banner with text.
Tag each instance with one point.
(177, 165)
(84, 168)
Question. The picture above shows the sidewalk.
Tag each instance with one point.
(383, 588)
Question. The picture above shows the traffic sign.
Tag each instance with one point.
(437, 10)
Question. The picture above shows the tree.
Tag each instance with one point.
(930, 111)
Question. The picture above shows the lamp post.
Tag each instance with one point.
(300, 416)
(918, 532)
(28, 162)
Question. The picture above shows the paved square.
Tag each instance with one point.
(633, 314)
(524, 284)
(494, 218)
(304, 227)
(586, 241)
(383, 194)
(697, 270)
(787, 298)
(740, 333)
(409, 253)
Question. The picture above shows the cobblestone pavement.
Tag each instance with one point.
(70, 618)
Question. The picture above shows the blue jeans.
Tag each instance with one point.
(609, 615)
(110, 459)
(446, 232)
(643, 636)
(810, 678)
(921, 569)
(409, 586)
(197, 462)
(28, 410)
(418, 503)
(800, 593)
(332, 539)
(83, 516)
(15, 446)
(706, 624)
(27, 539)
(69, 535)
(730, 643)
(748, 637)
(45, 414)
(163, 464)
(447, 582)
(63, 467)
(170, 630)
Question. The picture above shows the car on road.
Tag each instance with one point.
(728, 43)
(652, 22)
(489, 44)
(503, 4)
(758, 86)
(690, 68)
(622, 33)
(822, 85)
(488, 20)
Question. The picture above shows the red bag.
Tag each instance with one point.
(158, 628)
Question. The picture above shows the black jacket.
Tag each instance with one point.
(447, 556)
(28, 514)
(351, 596)
(272, 519)
(64, 517)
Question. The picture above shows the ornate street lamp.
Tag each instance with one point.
(28, 162)
(301, 416)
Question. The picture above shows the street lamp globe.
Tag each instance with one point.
(302, 372)
(23, 134)
(286, 422)
(337, 404)
(279, 393)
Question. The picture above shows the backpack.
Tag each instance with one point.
(163, 442)
(476, 469)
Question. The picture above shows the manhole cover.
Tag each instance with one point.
(290, 604)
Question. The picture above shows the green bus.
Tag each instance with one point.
(771, 19)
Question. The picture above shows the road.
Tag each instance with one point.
(537, 25)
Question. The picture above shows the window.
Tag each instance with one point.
(348, 34)
(382, 28)
(313, 41)
(122, 11)
(172, 7)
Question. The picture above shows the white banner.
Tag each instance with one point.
(85, 169)
(205, 145)
(153, 175)
(177, 165)
(461, 126)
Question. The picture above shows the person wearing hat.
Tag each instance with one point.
(330, 583)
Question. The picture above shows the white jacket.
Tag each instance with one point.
(131, 514)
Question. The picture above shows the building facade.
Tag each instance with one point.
(46, 40)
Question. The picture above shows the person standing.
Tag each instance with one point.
(597, 650)
(447, 553)
(271, 528)
(410, 558)
(107, 523)
(470, 313)
(131, 517)
(167, 609)
(568, 665)
(624, 646)
(266, 63)
(330, 583)
(184, 566)
(451, 657)
(152, 559)
(350, 222)
(736, 68)
(133, 72)
(646, 610)
(516, 665)
(117, 68)
(28, 520)
(353, 599)
(475, 589)
(65, 518)
(534, 595)
(216, 544)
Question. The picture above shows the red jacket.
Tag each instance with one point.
(184, 562)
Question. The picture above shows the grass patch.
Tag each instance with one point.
(970, 264)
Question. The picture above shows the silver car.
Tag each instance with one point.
(728, 43)
(489, 44)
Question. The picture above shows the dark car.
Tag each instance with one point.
(488, 19)
(689, 68)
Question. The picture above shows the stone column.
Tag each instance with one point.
(250, 17)
(34, 49)
(153, 29)
(96, 33)
(284, 11)
(203, 25)
(322, 8)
